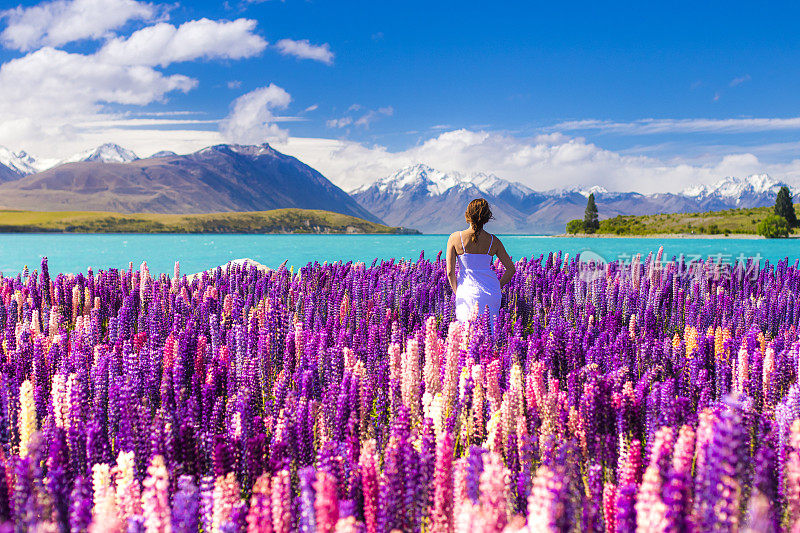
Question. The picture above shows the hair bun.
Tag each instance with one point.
(478, 213)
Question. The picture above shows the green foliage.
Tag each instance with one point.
(728, 221)
(575, 226)
(784, 207)
(591, 222)
(773, 227)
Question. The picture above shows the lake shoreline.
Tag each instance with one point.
(748, 236)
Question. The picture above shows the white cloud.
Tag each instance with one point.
(234, 84)
(251, 120)
(305, 50)
(690, 125)
(312, 107)
(363, 121)
(740, 80)
(163, 44)
(64, 21)
(339, 122)
(52, 86)
(51, 99)
(371, 116)
(542, 162)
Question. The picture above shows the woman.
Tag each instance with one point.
(476, 283)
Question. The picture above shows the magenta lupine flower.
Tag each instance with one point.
(442, 512)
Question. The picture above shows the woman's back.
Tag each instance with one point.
(477, 282)
(471, 276)
(484, 244)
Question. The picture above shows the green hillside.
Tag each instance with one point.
(729, 221)
(275, 221)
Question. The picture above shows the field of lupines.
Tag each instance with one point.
(644, 397)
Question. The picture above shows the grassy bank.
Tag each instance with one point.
(727, 222)
(275, 221)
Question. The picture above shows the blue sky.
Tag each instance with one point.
(629, 96)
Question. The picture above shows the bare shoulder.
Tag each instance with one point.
(497, 246)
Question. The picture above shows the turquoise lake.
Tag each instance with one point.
(76, 252)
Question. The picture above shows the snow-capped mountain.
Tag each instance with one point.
(20, 162)
(106, 153)
(216, 179)
(738, 190)
(433, 201)
(422, 177)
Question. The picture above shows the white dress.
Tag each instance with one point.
(477, 284)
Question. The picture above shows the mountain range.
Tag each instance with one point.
(434, 201)
(226, 178)
(215, 179)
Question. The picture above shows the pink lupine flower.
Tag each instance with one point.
(684, 451)
(768, 369)
(544, 509)
(433, 353)
(452, 347)
(741, 370)
(395, 357)
(105, 515)
(610, 506)
(128, 494)
(478, 395)
(282, 502)
(226, 496)
(442, 512)
(629, 468)
(792, 477)
(326, 505)
(155, 498)
(705, 431)
(409, 385)
(493, 394)
(494, 491)
(460, 495)
(259, 516)
(347, 524)
(369, 480)
(651, 511)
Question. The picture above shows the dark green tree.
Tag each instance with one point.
(784, 207)
(591, 222)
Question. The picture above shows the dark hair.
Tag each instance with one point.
(478, 214)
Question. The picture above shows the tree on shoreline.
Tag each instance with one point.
(591, 222)
(784, 207)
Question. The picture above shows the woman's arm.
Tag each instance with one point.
(451, 264)
(507, 263)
